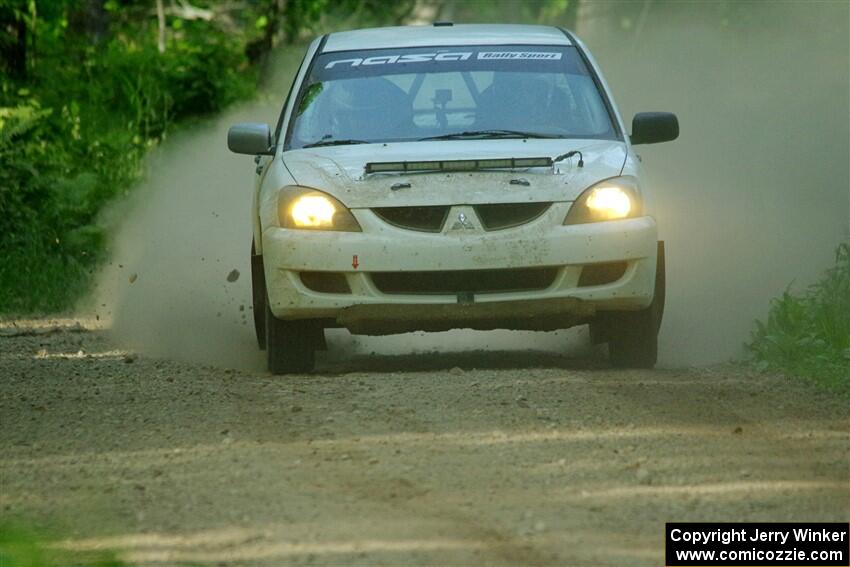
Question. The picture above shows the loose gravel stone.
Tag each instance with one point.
(394, 456)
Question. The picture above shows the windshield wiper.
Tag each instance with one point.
(334, 143)
(488, 134)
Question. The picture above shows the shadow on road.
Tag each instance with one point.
(467, 360)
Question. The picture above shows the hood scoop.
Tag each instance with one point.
(457, 165)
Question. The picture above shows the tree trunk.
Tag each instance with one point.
(260, 47)
(160, 17)
(571, 15)
(13, 41)
(18, 59)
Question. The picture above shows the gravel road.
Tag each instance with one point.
(479, 458)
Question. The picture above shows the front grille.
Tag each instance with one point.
(464, 281)
(599, 274)
(325, 282)
(427, 219)
(497, 217)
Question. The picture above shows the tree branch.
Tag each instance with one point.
(186, 11)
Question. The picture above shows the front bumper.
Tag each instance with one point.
(383, 248)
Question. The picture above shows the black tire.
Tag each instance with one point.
(660, 298)
(633, 335)
(634, 340)
(290, 345)
(258, 296)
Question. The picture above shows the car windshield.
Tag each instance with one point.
(468, 92)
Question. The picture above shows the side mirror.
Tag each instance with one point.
(654, 127)
(252, 139)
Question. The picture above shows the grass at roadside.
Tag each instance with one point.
(808, 334)
(22, 548)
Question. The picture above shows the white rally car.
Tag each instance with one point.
(452, 176)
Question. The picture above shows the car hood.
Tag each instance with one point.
(340, 171)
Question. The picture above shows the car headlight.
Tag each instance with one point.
(306, 208)
(611, 199)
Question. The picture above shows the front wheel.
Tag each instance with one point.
(633, 335)
(258, 296)
(634, 340)
(291, 345)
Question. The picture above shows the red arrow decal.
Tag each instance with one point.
(354, 261)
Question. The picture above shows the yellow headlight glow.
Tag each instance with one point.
(609, 202)
(313, 211)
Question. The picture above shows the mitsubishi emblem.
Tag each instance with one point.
(463, 223)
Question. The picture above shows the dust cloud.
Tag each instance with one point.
(181, 235)
(753, 196)
(178, 283)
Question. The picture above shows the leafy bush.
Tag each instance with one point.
(74, 132)
(85, 92)
(808, 334)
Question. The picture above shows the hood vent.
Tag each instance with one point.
(456, 165)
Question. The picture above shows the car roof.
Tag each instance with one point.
(445, 35)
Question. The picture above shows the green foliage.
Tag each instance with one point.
(548, 12)
(85, 92)
(21, 548)
(300, 14)
(808, 335)
(74, 132)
